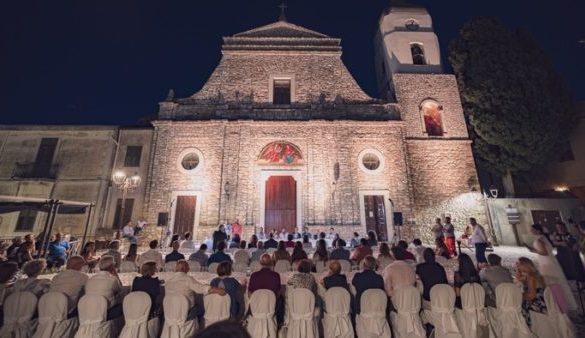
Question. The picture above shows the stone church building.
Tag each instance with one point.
(280, 136)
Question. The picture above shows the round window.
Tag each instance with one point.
(190, 161)
(371, 161)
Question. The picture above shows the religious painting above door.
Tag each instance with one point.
(281, 152)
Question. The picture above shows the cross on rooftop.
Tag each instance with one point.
(282, 12)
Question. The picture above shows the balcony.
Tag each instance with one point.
(35, 171)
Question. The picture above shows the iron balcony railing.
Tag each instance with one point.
(35, 171)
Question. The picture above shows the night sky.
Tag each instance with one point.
(111, 62)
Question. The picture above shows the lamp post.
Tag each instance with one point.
(126, 184)
(493, 193)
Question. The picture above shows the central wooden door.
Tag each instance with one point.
(184, 214)
(376, 216)
(281, 204)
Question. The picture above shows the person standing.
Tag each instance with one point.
(58, 250)
(438, 229)
(479, 240)
(449, 231)
(128, 232)
(219, 236)
(237, 228)
(568, 253)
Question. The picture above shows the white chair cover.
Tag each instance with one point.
(136, 310)
(472, 318)
(170, 266)
(212, 268)
(552, 324)
(93, 311)
(442, 315)
(345, 266)
(383, 262)
(240, 267)
(336, 319)
(261, 322)
(282, 266)
(301, 314)
(53, 322)
(176, 309)
(320, 266)
(371, 321)
(242, 257)
(128, 266)
(19, 308)
(506, 319)
(406, 321)
(194, 266)
(217, 308)
(255, 266)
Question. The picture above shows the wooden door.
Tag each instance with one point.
(376, 216)
(281, 204)
(546, 218)
(184, 214)
(128, 209)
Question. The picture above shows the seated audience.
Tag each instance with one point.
(362, 251)
(372, 239)
(340, 252)
(418, 250)
(366, 279)
(219, 256)
(533, 286)
(188, 243)
(271, 243)
(256, 254)
(265, 278)
(430, 273)
(24, 253)
(8, 272)
(355, 240)
(242, 256)
(253, 242)
(149, 284)
(334, 277)
(466, 273)
(306, 242)
(321, 254)
(303, 277)
(494, 274)
(114, 252)
(153, 255)
(289, 241)
(174, 255)
(298, 253)
(13, 248)
(200, 255)
(235, 242)
(408, 256)
(58, 250)
(71, 281)
(441, 248)
(385, 258)
(132, 255)
(281, 253)
(32, 269)
(229, 284)
(88, 254)
(182, 283)
(106, 283)
(399, 273)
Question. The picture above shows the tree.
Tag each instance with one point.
(518, 109)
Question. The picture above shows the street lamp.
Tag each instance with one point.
(126, 184)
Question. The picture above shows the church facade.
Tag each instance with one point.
(282, 136)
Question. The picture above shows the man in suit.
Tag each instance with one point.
(340, 252)
(365, 280)
(271, 242)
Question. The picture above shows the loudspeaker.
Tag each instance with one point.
(163, 219)
(397, 218)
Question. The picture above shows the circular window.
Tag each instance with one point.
(190, 160)
(371, 161)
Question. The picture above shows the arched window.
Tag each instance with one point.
(432, 115)
(418, 54)
(280, 152)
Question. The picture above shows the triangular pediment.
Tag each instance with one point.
(281, 29)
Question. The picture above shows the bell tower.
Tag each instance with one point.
(405, 43)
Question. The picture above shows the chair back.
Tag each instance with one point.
(212, 268)
(383, 262)
(261, 323)
(240, 267)
(52, 314)
(241, 257)
(282, 265)
(345, 266)
(320, 266)
(301, 320)
(194, 266)
(371, 321)
(510, 322)
(93, 312)
(136, 308)
(442, 315)
(557, 320)
(406, 320)
(127, 266)
(255, 266)
(176, 325)
(472, 318)
(217, 308)
(19, 308)
(336, 320)
(170, 266)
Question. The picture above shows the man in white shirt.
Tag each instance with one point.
(107, 284)
(479, 240)
(399, 273)
(182, 283)
(417, 250)
(153, 255)
(188, 243)
(70, 281)
(128, 232)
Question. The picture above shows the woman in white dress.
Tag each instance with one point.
(549, 266)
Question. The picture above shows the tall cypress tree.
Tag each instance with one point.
(519, 110)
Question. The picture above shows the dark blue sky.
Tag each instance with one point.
(111, 62)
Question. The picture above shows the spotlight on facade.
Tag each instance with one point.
(494, 192)
(561, 188)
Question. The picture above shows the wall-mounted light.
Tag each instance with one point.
(561, 188)
(494, 192)
(227, 189)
